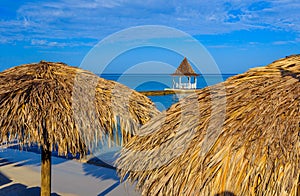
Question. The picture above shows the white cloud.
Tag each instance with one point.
(3, 40)
(38, 42)
(49, 44)
(219, 46)
(46, 43)
(284, 42)
(98, 18)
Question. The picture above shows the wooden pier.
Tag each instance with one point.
(167, 92)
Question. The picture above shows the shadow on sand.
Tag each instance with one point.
(22, 158)
(102, 171)
(17, 189)
(94, 167)
(21, 190)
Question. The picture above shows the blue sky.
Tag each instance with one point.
(238, 34)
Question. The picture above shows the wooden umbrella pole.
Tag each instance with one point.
(46, 170)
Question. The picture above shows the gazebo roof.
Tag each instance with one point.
(185, 69)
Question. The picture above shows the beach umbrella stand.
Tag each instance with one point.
(66, 109)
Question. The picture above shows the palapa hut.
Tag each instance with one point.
(255, 151)
(66, 109)
(185, 70)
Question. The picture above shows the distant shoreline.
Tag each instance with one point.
(167, 92)
(159, 74)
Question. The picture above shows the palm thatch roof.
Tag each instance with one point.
(67, 105)
(185, 69)
(241, 136)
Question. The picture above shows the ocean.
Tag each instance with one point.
(152, 82)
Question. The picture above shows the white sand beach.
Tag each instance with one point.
(20, 175)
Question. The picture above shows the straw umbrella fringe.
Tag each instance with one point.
(257, 151)
(48, 104)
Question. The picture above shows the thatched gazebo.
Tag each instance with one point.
(66, 109)
(185, 70)
(253, 150)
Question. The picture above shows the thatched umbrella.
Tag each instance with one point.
(66, 109)
(255, 151)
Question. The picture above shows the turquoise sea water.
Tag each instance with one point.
(152, 82)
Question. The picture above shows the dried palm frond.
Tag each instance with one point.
(241, 136)
(70, 104)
